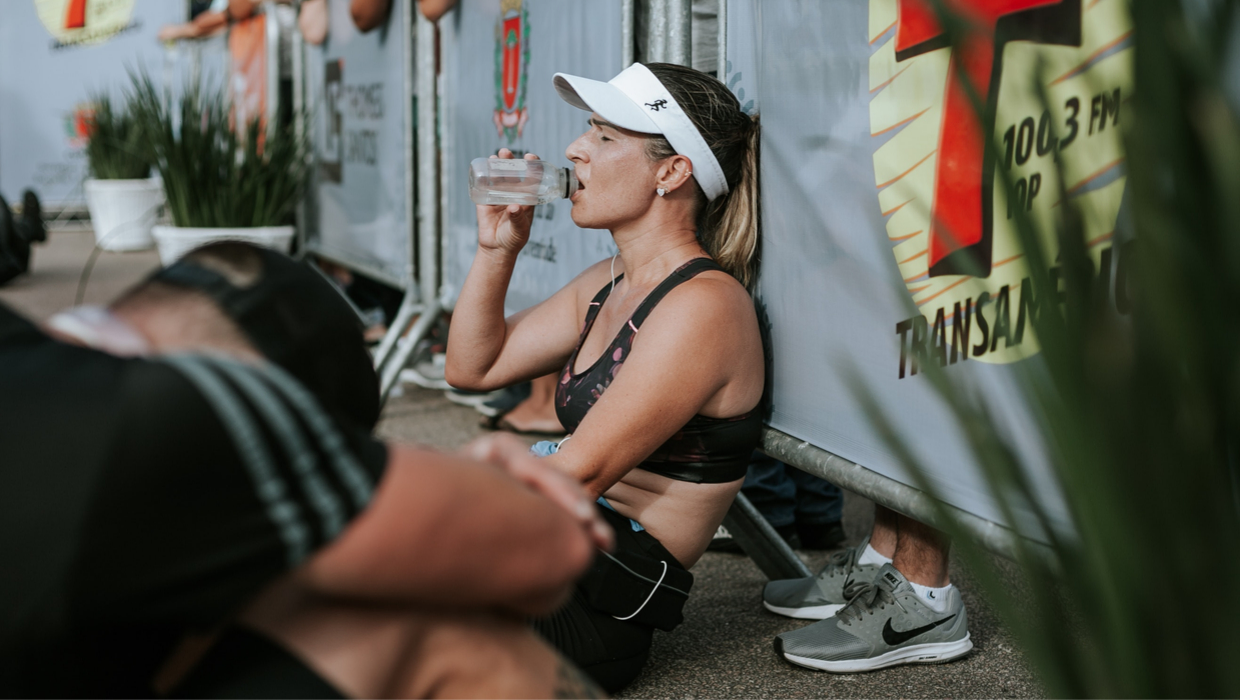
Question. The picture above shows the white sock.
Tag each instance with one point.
(936, 598)
(872, 557)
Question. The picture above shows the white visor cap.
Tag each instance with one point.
(637, 101)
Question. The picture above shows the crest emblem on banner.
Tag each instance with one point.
(78, 124)
(512, 60)
(84, 22)
(939, 168)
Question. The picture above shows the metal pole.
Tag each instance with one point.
(428, 159)
(680, 32)
(404, 349)
(627, 20)
(446, 177)
(271, 44)
(890, 493)
(656, 31)
(298, 49)
(404, 316)
(721, 69)
(409, 60)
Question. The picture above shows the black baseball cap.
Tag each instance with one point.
(295, 318)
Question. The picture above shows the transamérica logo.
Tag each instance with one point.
(512, 60)
(939, 181)
(83, 22)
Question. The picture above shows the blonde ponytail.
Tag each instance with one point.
(728, 227)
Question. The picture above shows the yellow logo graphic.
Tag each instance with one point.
(81, 22)
(940, 183)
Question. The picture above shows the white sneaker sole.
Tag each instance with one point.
(817, 612)
(941, 652)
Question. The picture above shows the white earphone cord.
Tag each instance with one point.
(652, 592)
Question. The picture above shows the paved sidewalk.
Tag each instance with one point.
(723, 650)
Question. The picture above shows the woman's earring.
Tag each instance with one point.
(661, 191)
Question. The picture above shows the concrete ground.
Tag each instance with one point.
(723, 650)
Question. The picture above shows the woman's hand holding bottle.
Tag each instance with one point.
(505, 229)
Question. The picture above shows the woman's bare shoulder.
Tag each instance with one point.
(712, 299)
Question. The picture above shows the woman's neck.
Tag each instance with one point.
(651, 250)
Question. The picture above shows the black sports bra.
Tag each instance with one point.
(706, 450)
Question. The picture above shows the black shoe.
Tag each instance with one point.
(790, 535)
(506, 400)
(821, 535)
(32, 215)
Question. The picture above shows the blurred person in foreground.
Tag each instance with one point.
(657, 350)
(194, 505)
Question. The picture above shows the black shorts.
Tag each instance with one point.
(244, 664)
(611, 652)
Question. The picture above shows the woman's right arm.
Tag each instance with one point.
(487, 351)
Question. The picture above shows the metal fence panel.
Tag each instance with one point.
(357, 94)
(548, 36)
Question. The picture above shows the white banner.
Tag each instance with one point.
(53, 53)
(362, 183)
(877, 193)
(499, 57)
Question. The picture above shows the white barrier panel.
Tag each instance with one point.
(743, 29)
(499, 57)
(52, 54)
(362, 185)
(860, 280)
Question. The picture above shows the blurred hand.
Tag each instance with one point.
(312, 20)
(505, 228)
(513, 456)
(172, 32)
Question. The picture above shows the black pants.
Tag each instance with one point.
(612, 652)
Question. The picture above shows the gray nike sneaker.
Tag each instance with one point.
(819, 597)
(885, 624)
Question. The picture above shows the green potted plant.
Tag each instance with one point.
(222, 180)
(124, 201)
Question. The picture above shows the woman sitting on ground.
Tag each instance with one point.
(669, 167)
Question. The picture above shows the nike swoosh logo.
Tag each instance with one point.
(894, 638)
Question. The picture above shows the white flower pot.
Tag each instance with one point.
(174, 242)
(122, 212)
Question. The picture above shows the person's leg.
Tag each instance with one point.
(381, 651)
(819, 510)
(536, 414)
(773, 494)
(921, 553)
(769, 489)
(910, 614)
(885, 535)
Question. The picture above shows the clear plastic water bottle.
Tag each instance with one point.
(518, 181)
